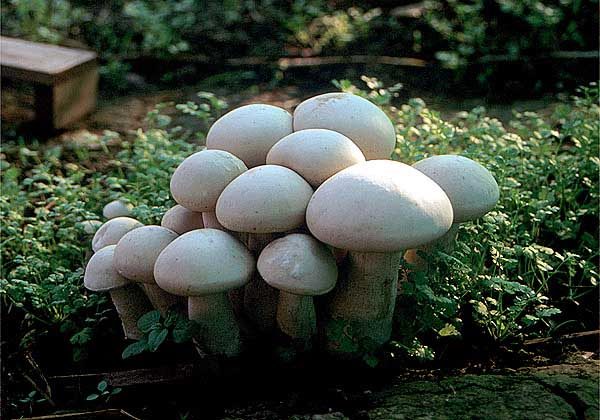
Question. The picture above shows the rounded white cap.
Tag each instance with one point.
(137, 251)
(315, 153)
(198, 181)
(181, 220)
(250, 131)
(379, 206)
(112, 231)
(202, 262)
(471, 188)
(298, 264)
(100, 273)
(265, 199)
(91, 226)
(355, 117)
(117, 208)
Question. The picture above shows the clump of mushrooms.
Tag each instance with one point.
(258, 244)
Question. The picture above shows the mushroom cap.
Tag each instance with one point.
(315, 153)
(100, 272)
(198, 181)
(379, 206)
(91, 226)
(202, 262)
(250, 131)
(112, 231)
(181, 220)
(117, 208)
(265, 199)
(137, 251)
(472, 189)
(355, 117)
(298, 264)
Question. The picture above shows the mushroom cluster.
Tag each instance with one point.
(279, 210)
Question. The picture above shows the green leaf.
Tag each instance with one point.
(148, 321)
(102, 386)
(92, 397)
(156, 338)
(448, 330)
(370, 360)
(135, 349)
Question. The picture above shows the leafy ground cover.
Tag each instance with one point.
(527, 269)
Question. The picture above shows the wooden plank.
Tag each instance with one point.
(74, 98)
(40, 63)
(83, 415)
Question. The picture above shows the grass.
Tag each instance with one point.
(527, 269)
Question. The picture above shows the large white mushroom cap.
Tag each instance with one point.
(202, 262)
(112, 231)
(100, 272)
(137, 251)
(198, 181)
(117, 208)
(355, 117)
(298, 264)
(379, 206)
(250, 131)
(181, 220)
(315, 153)
(265, 199)
(472, 189)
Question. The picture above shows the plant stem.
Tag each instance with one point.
(296, 315)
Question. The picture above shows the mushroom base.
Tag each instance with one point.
(445, 243)
(218, 331)
(362, 306)
(162, 300)
(260, 299)
(296, 316)
(131, 303)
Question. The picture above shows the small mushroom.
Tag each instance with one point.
(113, 230)
(204, 264)
(357, 118)
(181, 220)
(471, 188)
(300, 267)
(91, 226)
(117, 208)
(375, 210)
(250, 131)
(263, 202)
(129, 300)
(199, 180)
(135, 255)
(316, 154)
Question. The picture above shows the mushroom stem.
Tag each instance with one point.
(445, 243)
(365, 299)
(131, 303)
(260, 299)
(162, 300)
(209, 218)
(296, 315)
(218, 330)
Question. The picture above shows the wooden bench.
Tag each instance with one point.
(65, 79)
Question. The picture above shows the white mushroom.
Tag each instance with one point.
(199, 180)
(375, 210)
(250, 131)
(262, 202)
(117, 208)
(315, 154)
(471, 188)
(204, 264)
(300, 267)
(135, 255)
(113, 230)
(129, 300)
(181, 220)
(355, 117)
